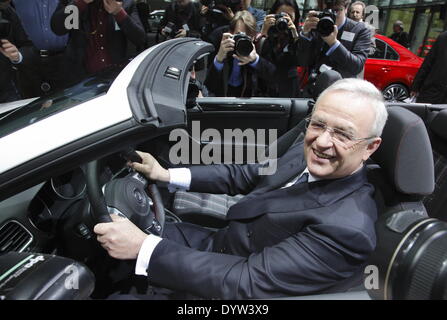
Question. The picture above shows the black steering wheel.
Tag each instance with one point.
(126, 197)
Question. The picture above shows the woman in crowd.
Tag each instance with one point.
(277, 45)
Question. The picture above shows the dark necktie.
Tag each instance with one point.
(302, 179)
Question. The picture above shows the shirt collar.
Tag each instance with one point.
(310, 178)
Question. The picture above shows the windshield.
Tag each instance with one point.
(46, 106)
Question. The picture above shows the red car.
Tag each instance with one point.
(392, 68)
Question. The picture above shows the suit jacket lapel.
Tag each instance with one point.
(300, 197)
(288, 167)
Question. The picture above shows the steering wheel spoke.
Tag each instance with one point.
(127, 197)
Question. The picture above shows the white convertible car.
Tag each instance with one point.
(62, 170)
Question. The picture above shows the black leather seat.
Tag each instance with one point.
(403, 172)
(436, 203)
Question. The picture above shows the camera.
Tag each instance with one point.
(411, 257)
(281, 23)
(170, 30)
(5, 27)
(215, 7)
(326, 24)
(193, 92)
(327, 19)
(243, 45)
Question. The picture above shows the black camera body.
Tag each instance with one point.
(216, 7)
(281, 23)
(327, 21)
(5, 27)
(243, 45)
(170, 30)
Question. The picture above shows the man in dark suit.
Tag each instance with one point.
(344, 50)
(308, 228)
(101, 40)
(430, 83)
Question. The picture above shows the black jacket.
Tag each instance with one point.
(348, 59)
(18, 38)
(130, 29)
(190, 16)
(281, 66)
(402, 38)
(431, 80)
(304, 239)
(217, 81)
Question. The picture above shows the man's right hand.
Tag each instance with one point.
(311, 21)
(9, 50)
(226, 45)
(204, 10)
(150, 168)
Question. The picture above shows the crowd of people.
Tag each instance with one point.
(276, 53)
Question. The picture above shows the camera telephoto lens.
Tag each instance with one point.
(242, 44)
(281, 23)
(411, 257)
(326, 24)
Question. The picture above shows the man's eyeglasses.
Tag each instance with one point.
(340, 137)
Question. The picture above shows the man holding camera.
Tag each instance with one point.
(100, 41)
(182, 19)
(330, 40)
(15, 50)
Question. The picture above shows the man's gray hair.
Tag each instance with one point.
(364, 90)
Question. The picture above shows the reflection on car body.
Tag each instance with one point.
(392, 68)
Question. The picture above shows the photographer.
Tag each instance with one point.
(100, 42)
(233, 71)
(331, 39)
(278, 46)
(182, 19)
(15, 50)
(217, 15)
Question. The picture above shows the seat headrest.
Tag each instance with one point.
(324, 81)
(405, 154)
(438, 126)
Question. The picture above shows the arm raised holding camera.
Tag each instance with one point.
(226, 46)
